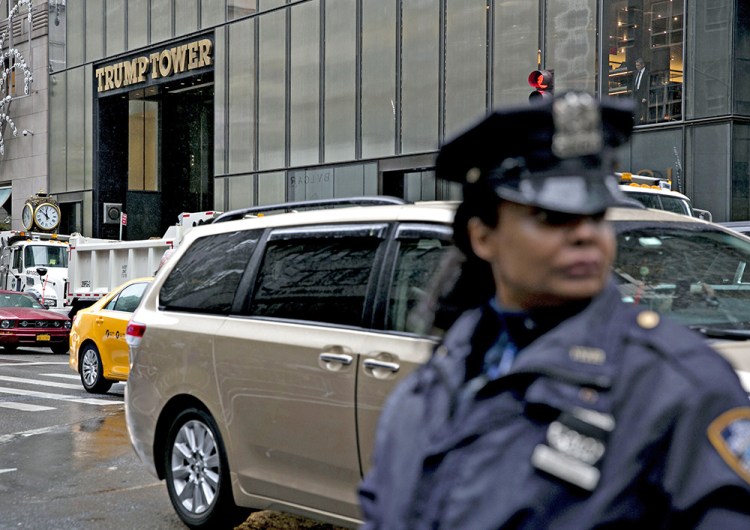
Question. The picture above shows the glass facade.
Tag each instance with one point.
(645, 43)
(330, 98)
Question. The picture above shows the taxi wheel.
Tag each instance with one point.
(197, 473)
(91, 371)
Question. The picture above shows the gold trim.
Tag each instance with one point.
(717, 440)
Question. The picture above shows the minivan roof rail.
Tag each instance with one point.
(311, 204)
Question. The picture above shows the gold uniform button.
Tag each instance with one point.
(473, 175)
(648, 319)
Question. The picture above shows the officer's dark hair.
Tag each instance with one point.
(463, 280)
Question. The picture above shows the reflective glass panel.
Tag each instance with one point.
(272, 90)
(137, 23)
(644, 51)
(241, 96)
(94, 30)
(378, 78)
(419, 76)
(465, 64)
(516, 39)
(304, 84)
(161, 20)
(241, 191)
(185, 16)
(115, 26)
(340, 75)
(571, 43)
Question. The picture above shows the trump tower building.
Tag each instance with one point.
(157, 107)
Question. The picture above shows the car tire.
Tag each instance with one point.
(11, 348)
(90, 368)
(197, 473)
(60, 349)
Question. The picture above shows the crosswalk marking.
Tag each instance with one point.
(25, 434)
(11, 379)
(26, 407)
(63, 376)
(34, 363)
(8, 470)
(61, 397)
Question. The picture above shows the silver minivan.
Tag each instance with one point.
(263, 351)
(262, 355)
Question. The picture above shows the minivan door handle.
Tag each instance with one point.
(372, 364)
(340, 358)
(335, 359)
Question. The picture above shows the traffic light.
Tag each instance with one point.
(543, 82)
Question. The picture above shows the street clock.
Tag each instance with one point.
(27, 216)
(41, 212)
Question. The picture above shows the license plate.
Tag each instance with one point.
(42, 337)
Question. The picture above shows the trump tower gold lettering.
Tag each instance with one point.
(155, 65)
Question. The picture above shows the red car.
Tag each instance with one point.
(26, 322)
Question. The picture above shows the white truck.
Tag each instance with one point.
(654, 192)
(96, 266)
(36, 263)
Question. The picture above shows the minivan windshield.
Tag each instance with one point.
(695, 273)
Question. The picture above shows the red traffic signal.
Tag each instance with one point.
(543, 81)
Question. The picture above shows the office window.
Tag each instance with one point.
(304, 84)
(340, 77)
(378, 78)
(465, 64)
(419, 76)
(644, 48)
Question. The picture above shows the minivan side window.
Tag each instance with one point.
(419, 255)
(205, 278)
(318, 277)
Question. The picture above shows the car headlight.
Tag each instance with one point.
(5, 324)
(67, 324)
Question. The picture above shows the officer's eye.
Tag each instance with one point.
(554, 218)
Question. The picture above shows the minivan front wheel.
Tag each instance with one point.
(197, 473)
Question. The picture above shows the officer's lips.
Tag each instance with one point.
(583, 269)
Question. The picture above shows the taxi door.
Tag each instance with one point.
(110, 326)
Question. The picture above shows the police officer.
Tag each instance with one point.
(551, 403)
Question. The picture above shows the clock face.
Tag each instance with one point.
(27, 216)
(47, 216)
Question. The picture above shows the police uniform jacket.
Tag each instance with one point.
(612, 418)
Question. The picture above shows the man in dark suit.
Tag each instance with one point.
(640, 92)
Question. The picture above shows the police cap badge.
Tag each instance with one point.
(558, 154)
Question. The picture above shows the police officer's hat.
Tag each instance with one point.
(557, 155)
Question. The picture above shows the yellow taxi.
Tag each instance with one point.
(98, 351)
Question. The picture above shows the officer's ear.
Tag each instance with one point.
(480, 238)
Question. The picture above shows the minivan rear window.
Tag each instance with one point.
(205, 278)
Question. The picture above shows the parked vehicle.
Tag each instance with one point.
(657, 193)
(97, 266)
(263, 351)
(98, 351)
(37, 263)
(26, 322)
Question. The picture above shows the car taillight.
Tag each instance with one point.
(134, 333)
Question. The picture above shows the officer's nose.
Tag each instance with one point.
(585, 229)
